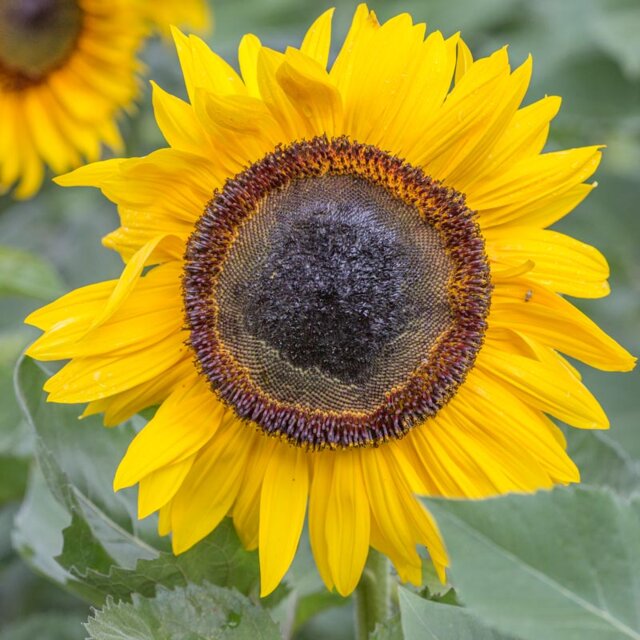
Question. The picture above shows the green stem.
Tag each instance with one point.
(372, 595)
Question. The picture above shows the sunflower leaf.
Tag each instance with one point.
(25, 274)
(559, 565)
(98, 547)
(15, 436)
(219, 558)
(194, 612)
(38, 525)
(427, 620)
(77, 457)
(78, 461)
(604, 462)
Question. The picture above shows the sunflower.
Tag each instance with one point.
(67, 67)
(340, 291)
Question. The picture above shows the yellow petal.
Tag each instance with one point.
(560, 262)
(164, 520)
(248, 52)
(382, 69)
(237, 113)
(530, 309)
(91, 175)
(465, 60)
(121, 406)
(246, 510)
(521, 439)
(49, 141)
(426, 92)
(363, 25)
(210, 488)
(311, 92)
(468, 113)
(241, 128)
(157, 488)
(275, 98)
(347, 524)
(96, 377)
(317, 40)
(183, 424)
(390, 519)
(283, 503)
(75, 304)
(203, 69)
(127, 280)
(517, 194)
(466, 161)
(177, 121)
(408, 564)
(318, 502)
(424, 528)
(148, 316)
(552, 390)
(524, 136)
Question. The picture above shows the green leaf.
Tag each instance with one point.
(558, 565)
(15, 437)
(99, 547)
(195, 612)
(219, 559)
(37, 532)
(78, 457)
(78, 460)
(25, 274)
(603, 462)
(426, 620)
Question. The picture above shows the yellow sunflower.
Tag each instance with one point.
(67, 67)
(352, 297)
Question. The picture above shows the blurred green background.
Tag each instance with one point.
(586, 51)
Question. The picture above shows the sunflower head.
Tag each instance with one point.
(341, 292)
(36, 37)
(335, 295)
(67, 69)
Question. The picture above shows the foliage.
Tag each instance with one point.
(562, 565)
(194, 612)
(101, 548)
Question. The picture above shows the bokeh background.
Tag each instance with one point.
(587, 51)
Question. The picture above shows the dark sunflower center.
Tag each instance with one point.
(36, 36)
(331, 292)
(335, 295)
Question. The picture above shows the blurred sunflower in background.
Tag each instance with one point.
(67, 70)
(340, 290)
